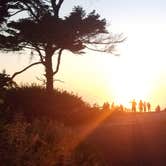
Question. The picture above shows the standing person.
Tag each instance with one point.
(112, 106)
(133, 106)
(149, 107)
(106, 106)
(140, 106)
(158, 109)
(121, 108)
(144, 106)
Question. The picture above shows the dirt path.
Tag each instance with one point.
(132, 140)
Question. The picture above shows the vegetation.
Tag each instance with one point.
(4, 13)
(39, 128)
(36, 131)
(42, 142)
(34, 102)
(5, 81)
(44, 32)
(33, 129)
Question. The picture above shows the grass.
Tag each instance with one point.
(37, 129)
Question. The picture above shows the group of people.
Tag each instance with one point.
(142, 106)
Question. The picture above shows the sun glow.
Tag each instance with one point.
(127, 86)
(136, 71)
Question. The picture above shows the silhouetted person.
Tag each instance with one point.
(106, 106)
(157, 109)
(112, 106)
(121, 108)
(140, 106)
(134, 104)
(149, 107)
(144, 106)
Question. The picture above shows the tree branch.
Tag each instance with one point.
(56, 6)
(31, 48)
(58, 80)
(21, 71)
(31, 11)
(59, 3)
(58, 62)
(40, 54)
(104, 43)
(93, 49)
(36, 48)
(13, 14)
(53, 3)
(106, 50)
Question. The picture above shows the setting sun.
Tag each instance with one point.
(138, 73)
(127, 86)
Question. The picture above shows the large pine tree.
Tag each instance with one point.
(45, 32)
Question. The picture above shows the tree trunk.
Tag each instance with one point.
(49, 74)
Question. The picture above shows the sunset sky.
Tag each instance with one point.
(138, 73)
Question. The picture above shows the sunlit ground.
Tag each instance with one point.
(84, 132)
(133, 140)
(125, 138)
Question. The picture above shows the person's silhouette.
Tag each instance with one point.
(112, 106)
(144, 106)
(149, 107)
(106, 106)
(121, 108)
(140, 106)
(158, 109)
(134, 104)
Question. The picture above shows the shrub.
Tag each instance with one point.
(43, 142)
(34, 102)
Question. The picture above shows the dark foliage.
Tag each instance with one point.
(3, 11)
(34, 102)
(46, 33)
(43, 142)
(69, 33)
(6, 82)
(37, 129)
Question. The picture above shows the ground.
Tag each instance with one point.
(132, 139)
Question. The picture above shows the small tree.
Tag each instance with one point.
(5, 81)
(48, 34)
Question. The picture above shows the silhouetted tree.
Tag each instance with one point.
(5, 81)
(42, 30)
(3, 11)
